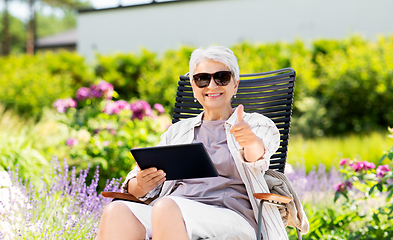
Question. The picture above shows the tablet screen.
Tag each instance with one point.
(177, 161)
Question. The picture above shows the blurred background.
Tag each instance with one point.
(341, 50)
(85, 81)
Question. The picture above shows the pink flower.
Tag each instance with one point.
(123, 105)
(69, 102)
(343, 161)
(140, 109)
(59, 105)
(109, 108)
(343, 187)
(82, 93)
(159, 108)
(72, 142)
(364, 165)
(382, 170)
(116, 107)
(62, 104)
(106, 89)
(94, 93)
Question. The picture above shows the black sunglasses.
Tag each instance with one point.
(221, 78)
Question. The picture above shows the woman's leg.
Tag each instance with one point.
(118, 222)
(167, 220)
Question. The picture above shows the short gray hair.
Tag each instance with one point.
(215, 53)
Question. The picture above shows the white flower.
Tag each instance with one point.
(83, 135)
(289, 169)
(5, 180)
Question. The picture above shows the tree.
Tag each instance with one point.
(5, 41)
(17, 35)
(31, 26)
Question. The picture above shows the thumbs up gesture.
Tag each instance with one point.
(252, 144)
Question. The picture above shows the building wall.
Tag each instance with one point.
(163, 26)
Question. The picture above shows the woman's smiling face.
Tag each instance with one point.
(214, 97)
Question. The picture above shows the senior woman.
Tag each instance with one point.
(240, 146)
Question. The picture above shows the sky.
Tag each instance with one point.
(19, 9)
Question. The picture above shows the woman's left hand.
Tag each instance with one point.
(242, 130)
(252, 144)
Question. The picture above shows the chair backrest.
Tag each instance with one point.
(268, 93)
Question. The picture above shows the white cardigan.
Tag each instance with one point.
(251, 173)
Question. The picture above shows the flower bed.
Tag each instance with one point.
(66, 208)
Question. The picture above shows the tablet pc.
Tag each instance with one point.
(177, 161)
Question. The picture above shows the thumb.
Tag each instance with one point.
(240, 109)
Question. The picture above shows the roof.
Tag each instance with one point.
(132, 6)
(68, 38)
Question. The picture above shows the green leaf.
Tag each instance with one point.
(382, 158)
(371, 189)
(389, 196)
(380, 187)
(390, 155)
(336, 196)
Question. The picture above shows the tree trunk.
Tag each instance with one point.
(5, 42)
(31, 29)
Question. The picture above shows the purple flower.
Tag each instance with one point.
(82, 207)
(343, 161)
(121, 104)
(69, 102)
(104, 86)
(159, 108)
(343, 187)
(72, 142)
(382, 170)
(140, 109)
(95, 94)
(82, 93)
(362, 166)
(58, 104)
(106, 89)
(62, 104)
(110, 108)
(116, 107)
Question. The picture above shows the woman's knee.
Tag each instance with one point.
(115, 210)
(165, 206)
(118, 222)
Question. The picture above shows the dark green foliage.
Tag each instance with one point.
(30, 83)
(123, 71)
(17, 34)
(342, 86)
(52, 24)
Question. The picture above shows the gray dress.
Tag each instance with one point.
(227, 190)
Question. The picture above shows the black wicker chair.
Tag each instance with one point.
(269, 93)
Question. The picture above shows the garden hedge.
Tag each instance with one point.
(342, 85)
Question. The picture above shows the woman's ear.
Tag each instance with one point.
(237, 85)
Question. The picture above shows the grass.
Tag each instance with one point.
(329, 150)
(28, 144)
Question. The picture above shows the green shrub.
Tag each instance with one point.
(161, 85)
(17, 146)
(342, 86)
(103, 131)
(125, 70)
(30, 83)
(356, 85)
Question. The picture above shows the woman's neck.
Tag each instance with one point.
(220, 114)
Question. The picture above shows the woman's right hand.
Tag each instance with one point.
(145, 181)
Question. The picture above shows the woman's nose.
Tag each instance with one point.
(212, 83)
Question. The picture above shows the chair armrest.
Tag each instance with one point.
(121, 196)
(272, 197)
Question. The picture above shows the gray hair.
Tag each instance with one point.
(215, 53)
